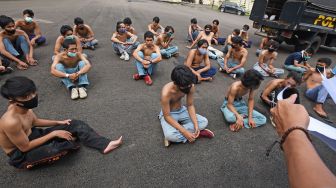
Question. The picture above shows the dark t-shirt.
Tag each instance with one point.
(294, 56)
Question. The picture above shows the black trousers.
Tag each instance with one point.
(57, 147)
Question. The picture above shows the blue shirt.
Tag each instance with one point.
(296, 56)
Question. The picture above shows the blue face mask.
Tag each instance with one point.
(69, 37)
(122, 30)
(28, 19)
(169, 34)
(72, 54)
(202, 51)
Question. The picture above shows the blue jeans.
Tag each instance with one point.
(82, 79)
(209, 73)
(242, 109)
(93, 42)
(141, 69)
(334, 70)
(295, 68)
(39, 41)
(20, 47)
(230, 64)
(168, 52)
(317, 94)
(182, 117)
(120, 48)
(194, 35)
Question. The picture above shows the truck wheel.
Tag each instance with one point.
(239, 12)
(222, 9)
(316, 43)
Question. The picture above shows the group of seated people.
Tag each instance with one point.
(179, 123)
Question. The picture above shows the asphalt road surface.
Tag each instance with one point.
(118, 105)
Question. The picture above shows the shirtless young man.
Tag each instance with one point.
(264, 42)
(85, 34)
(234, 108)
(208, 36)
(180, 123)
(4, 67)
(235, 59)
(245, 36)
(128, 25)
(266, 59)
(31, 27)
(123, 42)
(14, 44)
(315, 90)
(25, 144)
(196, 57)
(215, 29)
(193, 30)
(66, 32)
(147, 56)
(275, 86)
(164, 40)
(228, 42)
(154, 27)
(72, 66)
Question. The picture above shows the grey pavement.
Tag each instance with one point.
(118, 105)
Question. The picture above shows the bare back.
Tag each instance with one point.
(236, 91)
(29, 28)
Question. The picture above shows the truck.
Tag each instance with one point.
(302, 23)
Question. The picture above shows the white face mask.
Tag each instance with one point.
(28, 19)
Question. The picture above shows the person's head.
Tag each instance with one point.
(8, 24)
(66, 30)
(322, 64)
(308, 53)
(120, 28)
(236, 32)
(183, 78)
(28, 15)
(128, 22)
(70, 47)
(293, 79)
(202, 46)
(215, 23)
(246, 28)
(156, 20)
(149, 38)
(207, 29)
(272, 46)
(237, 42)
(251, 79)
(169, 30)
(20, 91)
(193, 21)
(79, 22)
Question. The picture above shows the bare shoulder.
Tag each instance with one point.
(8, 122)
(20, 32)
(166, 90)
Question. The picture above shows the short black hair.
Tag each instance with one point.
(29, 12)
(67, 42)
(325, 60)
(237, 40)
(208, 26)
(156, 19)
(310, 51)
(193, 21)
(237, 31)
(297, 77)
(127, 21)
(216, 21)
(168, 28)
(78, 21)
(148, 34)
(118, 25)
(275, 44)
(18, 86)
(201, 42)
(5, 20)
(65, 28)
(247, 27)
(182, 76)
(251, 79)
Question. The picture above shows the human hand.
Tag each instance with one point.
(240, 122)
(286, 114)
(2, 68)
(73, 76)
(229, 70)
(190, 136)
(251, 123)
(188, 47)
(197, 132)
(64, 122)
(62, 134)
(31, 61)
(22, 65)
(33, 42)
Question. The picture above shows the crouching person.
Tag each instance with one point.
(72, 66)
(180, 123)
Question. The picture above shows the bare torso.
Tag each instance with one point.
(84, 32)
(175, 96)
(315, 79)
(267, 57)
(29, 28)
(69, 62)
(198, 59)
(235, 88)
(237, 55)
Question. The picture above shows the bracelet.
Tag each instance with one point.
(285, 135)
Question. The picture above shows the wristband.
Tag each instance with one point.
(285, 135)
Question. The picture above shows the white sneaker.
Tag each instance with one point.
(74, 93)
(82, 92)
(233, 76)
(122, 56)
(126, 56)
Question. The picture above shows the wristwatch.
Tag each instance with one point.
(67, 75)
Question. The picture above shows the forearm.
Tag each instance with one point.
(10, 56)
(250, 107)
(37, 142)
(305, 168)
(192, 114)
(45, 123)
(85, 69)
(233, 110)
(58, 73)
(117, 41)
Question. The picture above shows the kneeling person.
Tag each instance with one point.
(72, 66)
(180, 123)
(234, 108)
(196, 57)
(28, 146)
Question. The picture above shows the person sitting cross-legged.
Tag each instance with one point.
(85, 34)
(164, 42)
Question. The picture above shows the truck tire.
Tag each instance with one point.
(239, 12)
(315, 44)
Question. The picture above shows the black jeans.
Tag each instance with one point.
(57, 147)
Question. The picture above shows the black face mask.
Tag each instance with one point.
(11, 32)
(271, 50)
(32, 103)
(319, 69)
(207, 32)
(185, 90)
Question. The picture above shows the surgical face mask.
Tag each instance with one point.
(72, 54)
(207, 32)
(69, 37)
(122, 30)
(32, 103)
(169, 34)
(202, 51)
(28, 19)
(186, 89)
(306, 58)
(319, 69)
(11, 32)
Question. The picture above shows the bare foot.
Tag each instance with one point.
(319, 110)
(113, 145)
